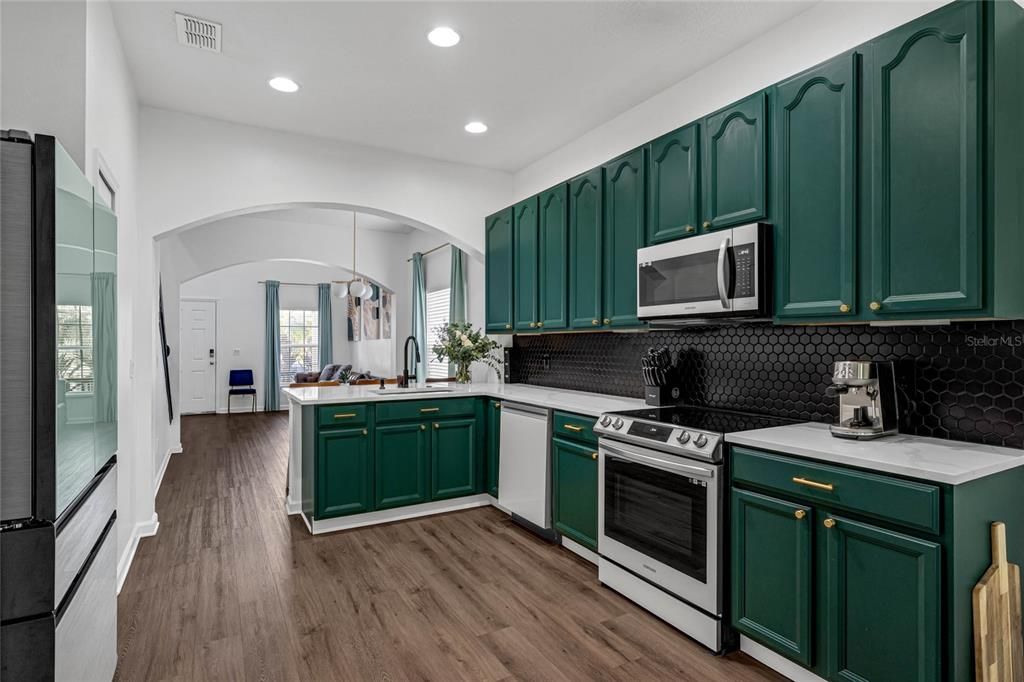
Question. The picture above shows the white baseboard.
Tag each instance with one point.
(143, 529)
(579, 550)
(777, 662)
(399, 513)
(292, 506)
(173, 450)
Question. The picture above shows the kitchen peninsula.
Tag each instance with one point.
(361, 455)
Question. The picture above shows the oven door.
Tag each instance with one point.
(711, 275)
(658, 516)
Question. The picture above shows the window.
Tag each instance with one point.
(300, 343)
(74, 347)
(437, 316)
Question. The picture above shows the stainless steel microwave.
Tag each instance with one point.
(725, 273)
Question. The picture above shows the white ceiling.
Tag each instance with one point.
(540, 74)
(333, 217)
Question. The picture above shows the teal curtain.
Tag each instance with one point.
(271, 370)
(457, 297)
(419, 314)
(104, 339)
(326, 338)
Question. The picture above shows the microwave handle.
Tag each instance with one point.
(723, 284)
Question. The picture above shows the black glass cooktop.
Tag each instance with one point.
(715, 421)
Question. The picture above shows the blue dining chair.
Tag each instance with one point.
(240, 382)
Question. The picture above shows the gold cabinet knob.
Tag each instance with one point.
(593, 455)
(595, 322)
(423, 427)
(844, 308)
(436, 425)
(689, 229)
(497, 406)
(707, 224)
(508, 326)
(540, 324)
(533, 325)
(799, 513)
(875, 305)
(607, 321)
(829, 523)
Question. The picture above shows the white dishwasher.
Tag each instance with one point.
(524, 487)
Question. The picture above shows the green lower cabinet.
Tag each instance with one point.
(453, 458)
(344, 475)
(771, 573)
(493, 445)
(574, 491)
(883, 602)
(402, 465)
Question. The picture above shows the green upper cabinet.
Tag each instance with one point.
(554, 258)
(816, 170)
(883, 603)
(493, 445)
(344, 473)
(673, 185)
(574, 491)
(927, 235)
(525, 243)
(735, 164)
(586, 257)
(772, 572)
(454, 462)
(624, 230)
(499, 277)
(401, 464)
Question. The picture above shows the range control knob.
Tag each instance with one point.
(606, 420)
(683, 437)
(617, 424)
(701, 440)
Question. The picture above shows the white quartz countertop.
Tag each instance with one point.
(930, 459)
(593, 404)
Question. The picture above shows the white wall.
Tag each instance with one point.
(240, 332)
(823, 31)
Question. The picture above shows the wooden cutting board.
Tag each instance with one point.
(998, 647)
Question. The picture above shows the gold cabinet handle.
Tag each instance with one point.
(829, 523)
(424, 410)
(423, 427)
(707, 224)
(607, 321)
(799, 513)
(799, 480)
(843, 308)
(595, 322)
(345, 415)
(689, 229)
(436, 425)
(875, 305)
(573, 427)
(593, 455)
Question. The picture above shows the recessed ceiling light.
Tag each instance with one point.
(282, 84)
(476, 127)
(442, 36)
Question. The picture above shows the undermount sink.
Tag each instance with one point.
(414, 389)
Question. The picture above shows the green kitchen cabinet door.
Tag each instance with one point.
(401, 464)
(884, 604)
(624, 228)
(493, 446)
(673, 185)
(498, 294)
(735, 164)
(586, 257)
(453, 458)
(525, 245)
(925, 102)
(554, 258)
(344, 473)
(816, 232)
(574, 486)
(772, 573)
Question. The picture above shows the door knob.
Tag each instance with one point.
(595, 322)
(875, 305)
(540, 324)
(423, 427)
(829, 523)
(607, 321)
(707, 224)
(533, 325)
(593, 455)
(843, 308)
(799, 513)
(508, 326)
(436, 425)
(689, 229)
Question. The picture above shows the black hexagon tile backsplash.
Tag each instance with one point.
(963, 381)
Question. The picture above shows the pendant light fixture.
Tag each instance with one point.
(353, 287)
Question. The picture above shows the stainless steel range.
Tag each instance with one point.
(661, 494)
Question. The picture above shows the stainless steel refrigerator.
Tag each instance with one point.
(58, 417)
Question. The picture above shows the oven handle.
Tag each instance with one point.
(723, 288)
(657, 463)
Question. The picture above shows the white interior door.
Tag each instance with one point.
(198, 356)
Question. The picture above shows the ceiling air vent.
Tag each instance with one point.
(196, 32)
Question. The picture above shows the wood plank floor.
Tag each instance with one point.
(232, 588)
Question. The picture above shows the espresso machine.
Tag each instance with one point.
(867, 399)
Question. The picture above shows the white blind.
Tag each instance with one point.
(300, 343)
(437, 316)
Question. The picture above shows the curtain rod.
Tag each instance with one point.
(426, 253)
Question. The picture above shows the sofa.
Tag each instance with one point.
(331, 375)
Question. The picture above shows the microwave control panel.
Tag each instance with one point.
(743, 257)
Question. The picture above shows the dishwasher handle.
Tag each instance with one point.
(523, 409)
